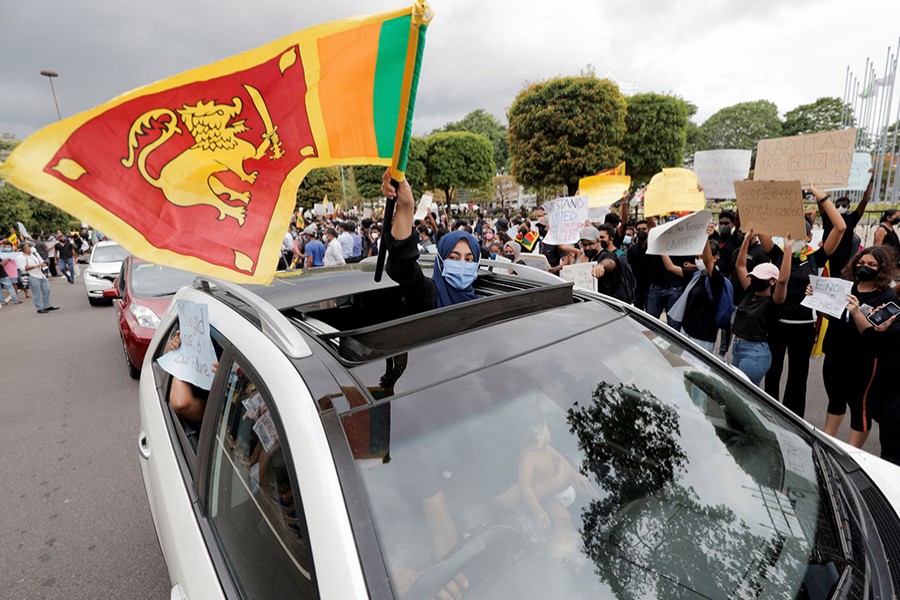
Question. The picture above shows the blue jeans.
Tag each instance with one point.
(67, 266)
(661, 298)
(6, 284)
(752, 358)
(41, 289)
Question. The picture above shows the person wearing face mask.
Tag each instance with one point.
(512, 251)
(609, 269)
(313, 248)
(886, 235)
(373, 236)
(641, 264)
(846, 248)
(334, 255)
(455, 266)
(755, 316)
(702, 300)
(849, 361)
(795, 332)
(628, 238)
(487, 238)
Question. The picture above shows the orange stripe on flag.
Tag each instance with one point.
(347, 62)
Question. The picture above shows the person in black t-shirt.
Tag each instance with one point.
(795, 332)
(754, 317)
(845, 248)
(641, 264)
(886, 235)
(849, 361)
(699, 322)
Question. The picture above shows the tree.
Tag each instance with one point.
(486, 124)
(368, 177)
(36, 215)
(317, 184)
(506, 190)
(7, 143)
(564, 129)
(825, 114)
(741, 126)
(458, 159)
(655, 136)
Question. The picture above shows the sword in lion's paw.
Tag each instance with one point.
(271, 130)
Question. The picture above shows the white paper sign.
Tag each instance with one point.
(424, 205)
(367, 213)
(581, 275)
(192, 361)
(829, 295)
(859, 173)
(597, 213)
(682, 237)
(717, 170)
(264, 428)
(319, 209)
(566, 217)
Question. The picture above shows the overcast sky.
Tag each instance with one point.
(479, 53)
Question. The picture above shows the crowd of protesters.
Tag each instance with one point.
(28, 264)
(740, 299)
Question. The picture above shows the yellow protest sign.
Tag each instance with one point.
(604, 190)
(673, 190)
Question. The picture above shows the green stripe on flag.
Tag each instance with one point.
(389, 69)
(414, 86)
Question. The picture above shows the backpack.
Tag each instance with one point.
(726, 302)
(626, 285)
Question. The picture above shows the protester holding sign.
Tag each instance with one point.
(886, 235)
(755, 316)
(849, 360)
(609, 268)
(846, 248)
(883, 394)
(795, 332)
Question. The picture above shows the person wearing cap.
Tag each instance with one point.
(33, 265)
(607, 267)
(755, 316)
(314, 249)
(794, 333)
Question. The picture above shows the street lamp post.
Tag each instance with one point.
(50, 75)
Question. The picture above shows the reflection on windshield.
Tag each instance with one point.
(108, 254)
(638, 473)
(148, 279)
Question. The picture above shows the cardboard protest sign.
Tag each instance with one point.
(823, 159)
(682, 237)
(673, 190)
(423, 206)
(772, 207)
(192, 361)
(581, 275)
(603, 190)
(565, 218)
(859, 173)
(717, 170)
(829, 295)
(319, 209)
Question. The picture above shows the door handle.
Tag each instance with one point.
(143, 445)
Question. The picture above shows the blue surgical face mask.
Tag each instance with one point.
(459, 274)
(626, 240)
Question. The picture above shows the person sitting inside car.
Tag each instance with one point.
(455, 266)
(187, 400)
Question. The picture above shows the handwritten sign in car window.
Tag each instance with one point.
(193, 360)
(829, 295)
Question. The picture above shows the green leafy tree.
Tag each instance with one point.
(481, 122)
(36, 215)
(741, 126)
(655, 136)
(459, 159)
(564, 129)
(825, 114)
(368, 177)
(7, 142)
(317, 184)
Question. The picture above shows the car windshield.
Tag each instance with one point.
(109, 254)
(614, 464)
(148, 279)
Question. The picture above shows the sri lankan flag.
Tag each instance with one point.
(200, 171)
(619, 170)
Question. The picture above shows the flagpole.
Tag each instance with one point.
(892, 172)
(884, 115)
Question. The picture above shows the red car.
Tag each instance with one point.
(142, 292)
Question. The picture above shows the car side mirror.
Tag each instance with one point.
(112, 294)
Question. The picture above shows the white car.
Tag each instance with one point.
(102, 270)
(538, 442)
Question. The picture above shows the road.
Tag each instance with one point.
(75, 521)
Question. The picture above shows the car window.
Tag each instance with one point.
(105, 254)
(613, 464)
(253, 505)
(149, 280)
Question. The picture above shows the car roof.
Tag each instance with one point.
(106, 243)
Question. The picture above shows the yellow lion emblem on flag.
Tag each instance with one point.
(190, 179)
